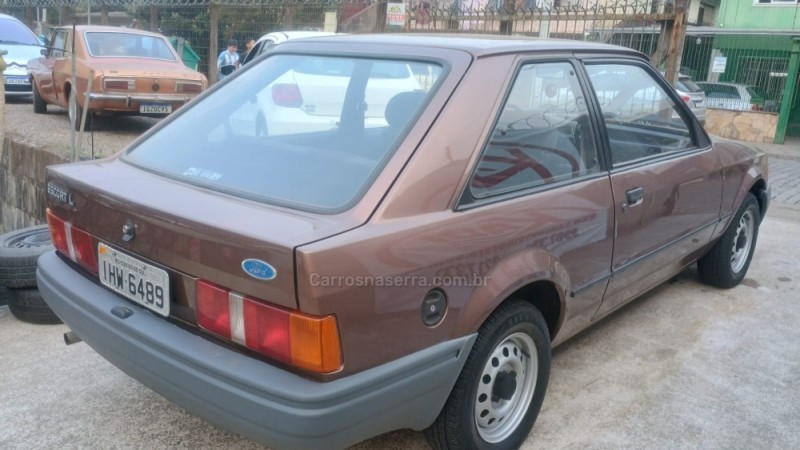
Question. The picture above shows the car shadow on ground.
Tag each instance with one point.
(111, 123)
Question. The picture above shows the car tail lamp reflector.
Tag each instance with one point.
(287, 95)
(119, 85)
(686, 98)
(304, 341)
(189, 88)
(72, 242)
(212, 309)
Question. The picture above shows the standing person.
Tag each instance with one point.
(228, 60)
(248, 46)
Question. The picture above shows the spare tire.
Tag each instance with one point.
(19, 251)
(28, 305)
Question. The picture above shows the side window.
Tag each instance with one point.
(543, 134)
(59, 39)
(641, 119)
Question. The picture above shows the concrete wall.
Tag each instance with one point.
(22, 192)
(750, 126)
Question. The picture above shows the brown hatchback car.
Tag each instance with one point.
(132, 72)
(406, 255)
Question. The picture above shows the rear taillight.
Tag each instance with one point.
(304, 341)
(73, 242)
(686, 98)
(119, 85)
(287, 95)
(188, 88)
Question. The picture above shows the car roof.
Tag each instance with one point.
(477, 45)
(724, 84)
(106, 28)
(286, 35)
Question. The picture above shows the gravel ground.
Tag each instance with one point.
(111, 133)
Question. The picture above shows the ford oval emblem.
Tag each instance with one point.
(258, 269)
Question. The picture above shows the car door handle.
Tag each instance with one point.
(634, 198)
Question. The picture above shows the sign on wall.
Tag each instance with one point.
(719, 64)
(395, 15)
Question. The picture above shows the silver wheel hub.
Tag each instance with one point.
(506, 387)
(742, 241)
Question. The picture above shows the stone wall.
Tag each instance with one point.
(22, 192)
(753, 126)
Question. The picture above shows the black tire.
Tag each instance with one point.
(39, 105)
(3, 296)
(19, 251)
(28, 305)
(457, 425)
(720, 267)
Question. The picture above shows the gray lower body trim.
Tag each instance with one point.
(245, 395)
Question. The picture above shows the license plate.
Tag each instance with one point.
(134, 279)
(698, 104)
(155, 109)
(17, 81)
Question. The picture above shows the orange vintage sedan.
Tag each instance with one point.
(133, 71)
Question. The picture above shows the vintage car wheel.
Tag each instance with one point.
(500, 391)
(19, 251)
(28, 305)
(75, 113)
(726, 264)
(39, 105)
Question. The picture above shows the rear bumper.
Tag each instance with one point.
(99, 101)
(245, 395)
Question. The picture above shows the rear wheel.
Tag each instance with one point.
(726, 264)
(39, 105)
(500, 391)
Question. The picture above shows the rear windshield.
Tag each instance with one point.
(687, 85)
(13, 32)
(284, 134)
(128, 45)
(720, 91)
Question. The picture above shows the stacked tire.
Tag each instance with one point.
(19, 251)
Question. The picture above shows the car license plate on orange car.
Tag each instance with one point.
(153, 108)
(134, 279)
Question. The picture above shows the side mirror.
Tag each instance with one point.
(44, 51)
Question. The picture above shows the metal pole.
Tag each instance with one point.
(72, 99)
(85, 111)
(788, 92)
(88, 12)
(213, 45)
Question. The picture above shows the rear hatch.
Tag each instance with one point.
(188, 231)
